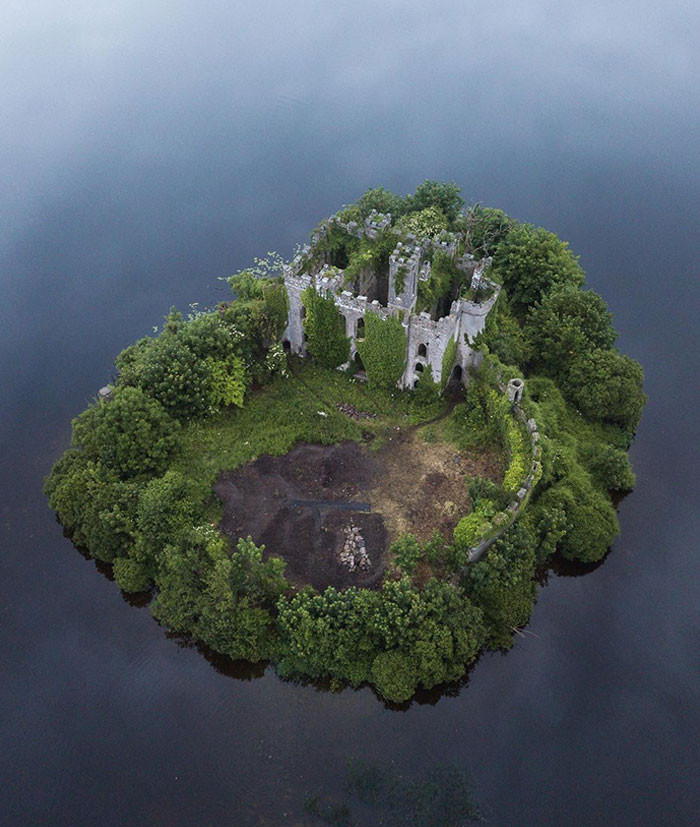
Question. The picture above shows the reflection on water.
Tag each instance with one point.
(439, 796)
(145, 150)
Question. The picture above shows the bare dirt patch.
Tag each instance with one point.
(302, 505)
(422, 486)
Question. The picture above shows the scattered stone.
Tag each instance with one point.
(353, 554)
(351, 411)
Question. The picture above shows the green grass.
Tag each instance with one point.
(301, 408)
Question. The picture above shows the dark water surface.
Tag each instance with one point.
(147, 149)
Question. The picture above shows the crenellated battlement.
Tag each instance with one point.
(442, 344)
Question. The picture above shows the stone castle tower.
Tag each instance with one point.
(427, 338)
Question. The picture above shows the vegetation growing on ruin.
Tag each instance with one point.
(215, 391)
(383, 350)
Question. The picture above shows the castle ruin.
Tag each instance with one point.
(428, 335)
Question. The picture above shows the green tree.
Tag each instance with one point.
(167, 506)
(428, 222)
(96, 506)
(325, 329)
(502, 585)
(565, 324)
(484, 229)
(530, 262)
(383, 201)
(132, 433)
(606, 385)
(236, 593)
(591, 522)
(443, 196)
(130, 575)
(609, 466)
(394, 675)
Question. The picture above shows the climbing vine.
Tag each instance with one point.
(383, 350)
(325, 330)
(448, 360)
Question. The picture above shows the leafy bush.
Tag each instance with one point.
(565, 324)
(407, 552)
(441, 196)
(170, 372)
(610, 467)
(227, 382)
(383, 350)
(482, 490)
(605, 385)
(325, 330)
(471, 530)
(591, 521)
(132, 433)
(394, 675)
(131, 576)
(427, 222)
(501, 584)
(531, 262)
(518, 451)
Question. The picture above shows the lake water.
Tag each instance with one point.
(148, 149)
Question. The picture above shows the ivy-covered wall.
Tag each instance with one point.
(325, 330)
(383, 350)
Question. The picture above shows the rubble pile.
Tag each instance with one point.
(353, 553)
(353, 413)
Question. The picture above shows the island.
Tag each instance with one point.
(358, 467)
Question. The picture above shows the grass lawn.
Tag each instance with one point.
(300, 408)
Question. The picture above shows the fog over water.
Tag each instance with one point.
(148, 149)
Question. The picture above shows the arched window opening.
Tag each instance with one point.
(419, 368)
(360, 330)
(422, 350)
(457, 373)
(287, 345)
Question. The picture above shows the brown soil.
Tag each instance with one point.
(410, 486)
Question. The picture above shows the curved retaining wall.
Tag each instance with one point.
(511, 514)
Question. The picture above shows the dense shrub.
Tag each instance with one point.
(565, 324)
(531, 262)
(132, 433)
(519, 456)
(609, 466)
(167, 506)
(131, 576)
(394, 675)
(407, 553)
(92, 502)
(591, 523)
(501, 584)
(383, 350)
(605, 385)
(325, 330)
(444, 197)
(427, 222)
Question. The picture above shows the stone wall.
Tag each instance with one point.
(506, 518)
(427, 339)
